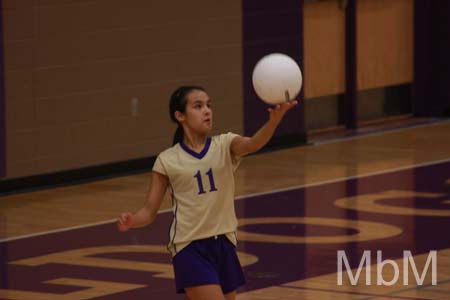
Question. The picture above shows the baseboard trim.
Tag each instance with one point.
(75, 176)
(111, 170)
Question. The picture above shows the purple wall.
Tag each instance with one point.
(351, 67)
(270, 26)
(2, 100)
(431, 93)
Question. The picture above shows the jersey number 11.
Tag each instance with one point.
(198, 176)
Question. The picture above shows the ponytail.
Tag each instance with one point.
(178, 136)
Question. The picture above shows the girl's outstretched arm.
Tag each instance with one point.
(147, 214)
(244, 145)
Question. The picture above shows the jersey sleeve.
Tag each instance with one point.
(158, 166)
(236, 160)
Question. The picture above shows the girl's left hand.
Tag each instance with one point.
(277, 112)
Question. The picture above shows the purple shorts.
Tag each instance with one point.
(208, 261)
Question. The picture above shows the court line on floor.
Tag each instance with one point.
(436, 162)
(423, 289)
(391, 295)
(362, 294)
(378, 132)
(393, 170)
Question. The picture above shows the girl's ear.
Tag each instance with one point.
(179, 116)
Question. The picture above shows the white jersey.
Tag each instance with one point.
(202, 190)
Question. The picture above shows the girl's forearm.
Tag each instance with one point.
(252, 144)
(263, 135)
(142, 218)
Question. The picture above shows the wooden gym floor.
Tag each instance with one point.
(388, 191)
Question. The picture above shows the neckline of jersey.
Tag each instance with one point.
(200, 154)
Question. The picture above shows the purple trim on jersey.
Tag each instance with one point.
(195, 154)
(174, 221)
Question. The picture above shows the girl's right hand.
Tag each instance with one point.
(277, 112)
(124, 222)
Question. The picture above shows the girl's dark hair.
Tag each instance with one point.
(178, 102)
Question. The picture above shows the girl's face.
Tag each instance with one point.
(198, 114)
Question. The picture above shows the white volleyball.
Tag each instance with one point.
(277, 78)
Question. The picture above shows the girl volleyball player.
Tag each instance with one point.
(199, 171)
